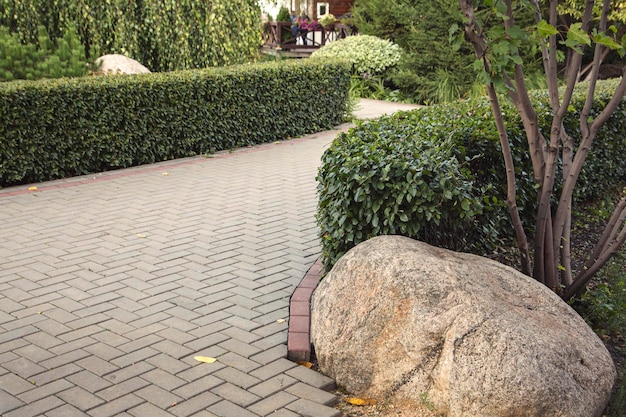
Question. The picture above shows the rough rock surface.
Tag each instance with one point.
(397, 317)
(119, 64)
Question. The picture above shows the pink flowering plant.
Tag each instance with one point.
(307, 24)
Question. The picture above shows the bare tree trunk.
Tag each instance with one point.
(552, 245)
(565, 245)
(479, 47)
(520, 234)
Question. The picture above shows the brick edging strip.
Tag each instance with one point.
(299, 333)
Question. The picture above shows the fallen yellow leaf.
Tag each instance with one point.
(165, 174)
(32, 188)
(360, 401)
(280, 320)
(140, 235)
(204, 359)
(305, 364)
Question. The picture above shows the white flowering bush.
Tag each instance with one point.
(367, 54)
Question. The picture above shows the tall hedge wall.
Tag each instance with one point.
(161, 34)
(436, 174)
(58, 128)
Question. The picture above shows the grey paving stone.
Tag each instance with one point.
(14, 384)
(134, 357)
(206, 341)
(270, 355)
(163, 379)
(42, 339)
(56, 373)
(23, 367)
(116, 406)
(312, 378)
(44, 391)
(172, 349)
(241, 335)
(167, 363)
(96, 365)
(37, 408)
(194, 404)
(67, 349)
(147, 409)
(15, 333)
(227, 409)
(285, 413)
(279, 366)
(275, 339)
(158, 397)
(80, 398)
(8, 402)
(236, 377)
(240, 348)
(235, 394)
(197, 386)
(313, 394)
(89, 381)
(238, 362)
(66, 411)
(273, 385)
(242, 323)
(121, 389)
(269, 405)
(308, 408)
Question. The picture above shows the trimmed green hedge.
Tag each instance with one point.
(436, 174)
(58, 128)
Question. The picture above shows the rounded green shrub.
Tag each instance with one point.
(380, 178)
(436, 174)
(367, 54)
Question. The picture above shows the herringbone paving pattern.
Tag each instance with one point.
(110, 285)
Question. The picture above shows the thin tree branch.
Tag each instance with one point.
(476, 38)
(610, 230)
(583, 278)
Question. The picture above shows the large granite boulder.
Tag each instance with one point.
(399, 318)
(119, 64)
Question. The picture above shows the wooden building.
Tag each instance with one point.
(339, 7)
(316, 8)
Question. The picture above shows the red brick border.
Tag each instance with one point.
(299, 335)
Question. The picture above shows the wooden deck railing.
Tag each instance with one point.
(279, 35)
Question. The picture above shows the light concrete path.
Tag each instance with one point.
(111, 284)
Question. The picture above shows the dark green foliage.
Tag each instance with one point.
(41, 60)
(430, 72)
(161, 34)
(603, 306)
(59, 128)
(421, 28)
(436, 174)
(283, 15)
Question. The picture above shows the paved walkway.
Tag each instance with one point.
(111, 284)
